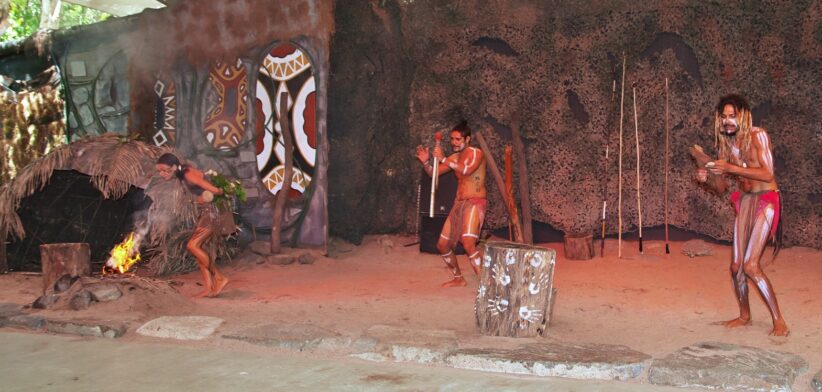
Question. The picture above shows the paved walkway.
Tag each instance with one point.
(38, 362)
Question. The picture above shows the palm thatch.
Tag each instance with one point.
(114, 163)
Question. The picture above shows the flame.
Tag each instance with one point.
(124, 255)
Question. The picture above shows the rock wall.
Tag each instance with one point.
(402, 70)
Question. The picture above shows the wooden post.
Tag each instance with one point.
(282, 195)
(524, 191)
(579, 246)
(492, 164)
(56, 260)
(516, 224)
(516, 293)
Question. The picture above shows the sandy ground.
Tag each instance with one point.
(654, 303)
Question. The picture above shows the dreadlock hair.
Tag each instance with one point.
(744, 121)
(462, 128)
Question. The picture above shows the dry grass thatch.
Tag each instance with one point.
(114, 163)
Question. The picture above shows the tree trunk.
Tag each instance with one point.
(282, 195)
(579, 246)
(56, 260)
(49, 14)
(516, 293)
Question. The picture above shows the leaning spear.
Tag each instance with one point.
(638, 182)
(667, 159)
(605, 173)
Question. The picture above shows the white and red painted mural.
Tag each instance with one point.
(286, 68)
(225, 123)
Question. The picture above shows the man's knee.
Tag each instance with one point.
(752, 270)
(442, 246)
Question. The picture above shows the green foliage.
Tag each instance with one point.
(24, 18)
(230, 188)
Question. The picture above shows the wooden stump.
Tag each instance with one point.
(579, 246)
(56, 260)
(516, 293)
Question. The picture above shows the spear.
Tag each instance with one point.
(638, 182)
(621, 117)
(435, 173)
(667, 158)
(605, 174)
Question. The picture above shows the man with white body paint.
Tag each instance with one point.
(745, 153)
(466, 217)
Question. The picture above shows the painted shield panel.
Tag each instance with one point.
(165, 112)
(286, 68)
(225, 122)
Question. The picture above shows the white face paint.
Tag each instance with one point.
(458, 143)
(729, 124)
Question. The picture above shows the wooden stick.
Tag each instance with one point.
(621, 117)
(288, 173)
(524, 191)
(638, 181)
(492, 164)
(609, 122)
(516, 226)
(667, 159)
(435, 174)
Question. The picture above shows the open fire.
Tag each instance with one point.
(124, 255)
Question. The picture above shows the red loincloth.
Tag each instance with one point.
(764, 198)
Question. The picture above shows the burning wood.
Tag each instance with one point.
(124, 255)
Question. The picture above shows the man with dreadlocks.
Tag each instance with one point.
(745, 153)
(466, 217)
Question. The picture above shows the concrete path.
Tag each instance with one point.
(37, 362)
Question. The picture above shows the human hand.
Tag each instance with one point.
(438, 153)
(701, 175)
(718, 167)
(423, 154)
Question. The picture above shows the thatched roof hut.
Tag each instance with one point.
(113, 162)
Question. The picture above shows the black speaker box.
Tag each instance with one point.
(430, 228)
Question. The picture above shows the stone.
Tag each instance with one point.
(260, 247)
(300, 338)
(694, 248)
(80, 301)
(64, 283)
(816, 383)
(181, 328)
(9, 310)
(249, 257)
(727, 367)
(281, 259)
(104, 292)
(86, 328)
(45, 301)
(306, 258)
(580, 360)
(25, 321)
(409, 345)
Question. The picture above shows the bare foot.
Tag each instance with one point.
(780, 328)
(203, 293)
(476, 268)
(219, 284)
(737, 322)
(457, 281)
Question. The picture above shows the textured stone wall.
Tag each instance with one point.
(405, 69)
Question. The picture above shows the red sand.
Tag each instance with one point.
(654, 303)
